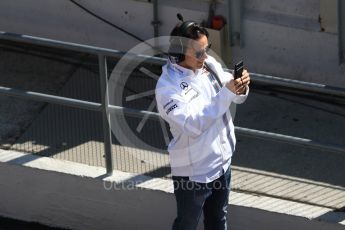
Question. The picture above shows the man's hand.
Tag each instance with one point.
(239, 85)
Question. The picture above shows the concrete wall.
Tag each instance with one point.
(79, 203)
(284, 38)
(72, 195)
(281, 38)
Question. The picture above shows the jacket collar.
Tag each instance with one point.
(182, 71)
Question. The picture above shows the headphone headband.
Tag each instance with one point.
(185, 27)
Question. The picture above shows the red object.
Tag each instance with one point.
(218, 22)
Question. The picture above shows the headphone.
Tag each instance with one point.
(176, 49)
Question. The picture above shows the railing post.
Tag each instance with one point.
(341, 31)
(235, 17)
(102, 61)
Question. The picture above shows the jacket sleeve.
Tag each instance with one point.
(225, 77)
(182, 116)
(239, 99)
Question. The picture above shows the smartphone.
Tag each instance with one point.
(238, 69)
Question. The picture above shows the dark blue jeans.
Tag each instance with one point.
(193, 198)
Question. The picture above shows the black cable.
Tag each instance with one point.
(115, 26)
(106, 21)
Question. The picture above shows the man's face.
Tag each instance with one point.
(196, 53)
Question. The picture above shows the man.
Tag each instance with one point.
(196, 106)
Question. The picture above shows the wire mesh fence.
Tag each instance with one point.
(70, 133)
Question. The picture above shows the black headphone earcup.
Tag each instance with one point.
(175, 51)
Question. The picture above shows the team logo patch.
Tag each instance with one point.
(184, 85)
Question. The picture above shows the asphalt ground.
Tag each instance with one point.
(11, 224)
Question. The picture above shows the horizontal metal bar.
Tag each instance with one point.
(87, 105)
(296, 84)
(58, 44)
(74, 46)
(259, 78)
(29, 95)
(244, 131)
(289, 139)
(118, 110)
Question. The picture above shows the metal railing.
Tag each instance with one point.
(108, 109)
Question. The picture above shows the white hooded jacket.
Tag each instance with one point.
(203, 137)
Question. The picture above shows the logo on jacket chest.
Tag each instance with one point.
(184, 85)
(189, 93)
